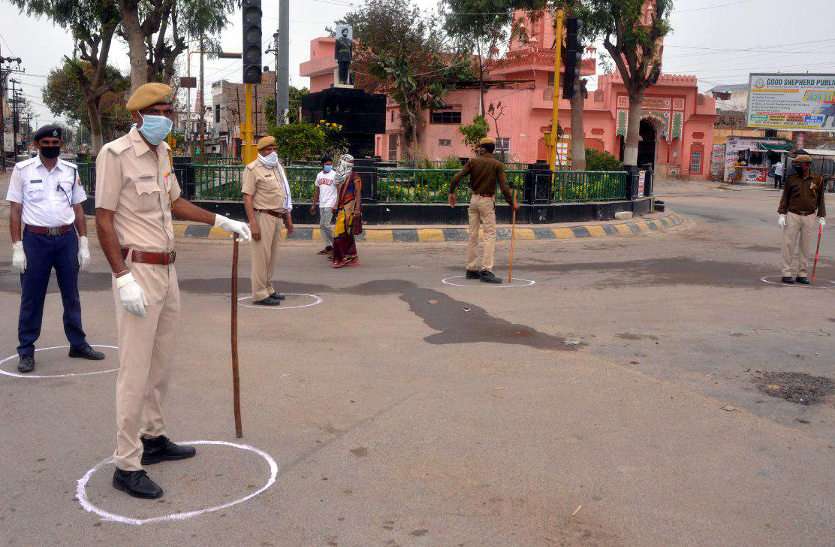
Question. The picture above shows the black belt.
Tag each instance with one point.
(54, 231)
(271, 212)
(802, 214)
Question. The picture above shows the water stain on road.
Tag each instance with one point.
(664, 271)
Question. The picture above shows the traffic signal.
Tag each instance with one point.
(251, 10)
(573, 56)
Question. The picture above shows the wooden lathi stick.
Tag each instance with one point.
(512, 240)
(236, 380)
(817, 253)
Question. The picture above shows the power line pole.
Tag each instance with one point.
(274, 50)
(202, 105)
(283, 69)
(5, 69)
(15, 100)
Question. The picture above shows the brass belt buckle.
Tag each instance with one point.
(53, 231)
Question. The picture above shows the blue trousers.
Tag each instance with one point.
(43, 253)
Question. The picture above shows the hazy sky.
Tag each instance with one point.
(720, 41)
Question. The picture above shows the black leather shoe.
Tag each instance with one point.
(161, 449)
(26, 364)
(86, 353)
(136, 484)
(489, 277)
(788, 280)
(278, 296)
(803, 280)
(473, 274)
(269, 301)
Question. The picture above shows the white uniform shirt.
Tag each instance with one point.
(778, 169)
(47, 196)
(328, 193)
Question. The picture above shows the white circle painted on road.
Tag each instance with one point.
(777, 281)
(316, 301)
(518, 282)
(67, 375)
(81, 490)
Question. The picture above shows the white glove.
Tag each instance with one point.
(782, 221)
(822, 221)
(233, 227)
(131, 295)
(83, 252)
(18, 257)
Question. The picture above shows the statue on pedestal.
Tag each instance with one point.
(344, 53)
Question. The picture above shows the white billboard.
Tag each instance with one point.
(792, 102)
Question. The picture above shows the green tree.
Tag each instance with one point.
(475, 131)
(479, 27)
(296, 96)
(64, 94)
(92, 24)
(633, 33)
(402, 52)
(158, 31)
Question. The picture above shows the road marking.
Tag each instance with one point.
(518, 282)
(68, 375)
(316, 301)
(81, 490)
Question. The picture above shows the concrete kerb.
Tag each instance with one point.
(444, 234)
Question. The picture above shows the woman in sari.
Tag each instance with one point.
(348, 221)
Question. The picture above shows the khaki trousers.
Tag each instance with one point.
(146, 350)
(799, 236)
(264, 253)
(482, 213)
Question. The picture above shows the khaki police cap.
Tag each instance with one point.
(486, 140)
(802, 158)
(264, 142)
(148, 95)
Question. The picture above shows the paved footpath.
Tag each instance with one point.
(613, 396)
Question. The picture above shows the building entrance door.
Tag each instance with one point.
(646, 147)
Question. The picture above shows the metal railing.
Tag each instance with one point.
(207, 182)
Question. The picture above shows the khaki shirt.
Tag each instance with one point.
(139, 186)
(265, 185)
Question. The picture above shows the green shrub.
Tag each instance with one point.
(601, 161)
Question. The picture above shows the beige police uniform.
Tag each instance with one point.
(140, 187)
(268, 188)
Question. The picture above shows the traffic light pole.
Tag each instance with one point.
(248, 151)
(556, 98)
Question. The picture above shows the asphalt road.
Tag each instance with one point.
(611, 403)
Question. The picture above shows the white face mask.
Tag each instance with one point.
(270, 160)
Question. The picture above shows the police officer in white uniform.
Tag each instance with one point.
(48, 231)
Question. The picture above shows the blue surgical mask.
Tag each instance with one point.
(328, 168)
(155, 128)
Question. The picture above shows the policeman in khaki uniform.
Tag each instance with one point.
(485, 173)
(801, 208)
(136, 195)
(267, 202)
(45, 194)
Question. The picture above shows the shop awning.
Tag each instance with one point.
(782, 147)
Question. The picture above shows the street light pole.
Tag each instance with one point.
(274, 50)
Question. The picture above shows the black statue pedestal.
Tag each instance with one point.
(362, 115)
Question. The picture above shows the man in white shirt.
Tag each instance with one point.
(778, 174)
(48, 230)
(325, 196)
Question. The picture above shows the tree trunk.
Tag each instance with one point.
(633, 132)
(94, 118)
(578, 135)
(480, 80)
(136, 44)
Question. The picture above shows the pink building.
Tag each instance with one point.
(676, 128)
